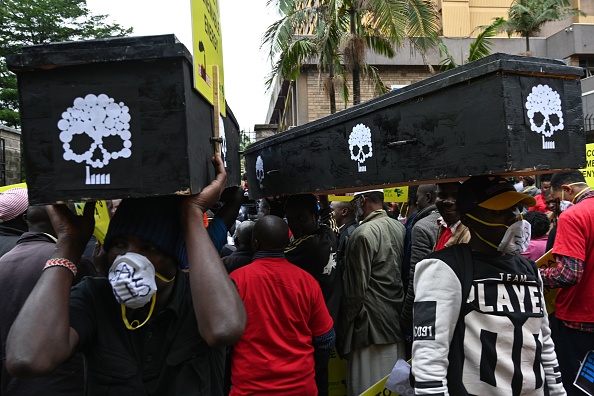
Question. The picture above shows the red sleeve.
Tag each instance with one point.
(540, 206)
(570, 239)
(320, 321)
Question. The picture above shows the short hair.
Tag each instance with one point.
(427, 189)
(412, 194)
(243, 233)
(307, 201)
(561, 178)
(272, 232)
(529, 180)
(540, 223)
(545, 177)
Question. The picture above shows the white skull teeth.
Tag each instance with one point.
(360, 145)
(97, 117)
(543, 107)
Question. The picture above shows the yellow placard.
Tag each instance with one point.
(379, 389)
(341, 198)
(396, 194)
(208, 49)
(11, 186)
(588, 171)
(548, 261)
(101, 218)
(336, 375)
(392, 194)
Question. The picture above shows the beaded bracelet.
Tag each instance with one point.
(61, 262)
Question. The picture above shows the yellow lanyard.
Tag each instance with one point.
(136, 323)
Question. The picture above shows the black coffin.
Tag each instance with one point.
(116, 118)
(502, 114)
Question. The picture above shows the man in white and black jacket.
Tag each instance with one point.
(480, 325)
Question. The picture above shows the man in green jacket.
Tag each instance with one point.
(372, 294)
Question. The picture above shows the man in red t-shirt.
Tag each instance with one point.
(289, 331)
(574, 274)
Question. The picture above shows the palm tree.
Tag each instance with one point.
(381, 26)
(526, 17)
(479, 48)
(289, 51)
(342, 31)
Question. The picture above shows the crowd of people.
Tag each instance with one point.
(182, 298)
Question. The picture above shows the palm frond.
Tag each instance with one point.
(481, 46)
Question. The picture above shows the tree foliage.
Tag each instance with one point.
(340, 33)
(479, 48)
(31, 22)
(526, 17)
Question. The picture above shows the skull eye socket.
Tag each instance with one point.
(365, 149)
(554, 119)
(538, 119)
(356, 150)
(113, 143)
(81, 143)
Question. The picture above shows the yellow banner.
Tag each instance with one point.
(548, 261)
(336, 375)
(392, 194)
(379, 389)
(101, 219)
(588, 171)
(11, 186)
(208, 49)
(396, 194)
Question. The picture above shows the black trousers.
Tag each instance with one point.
(571, 347)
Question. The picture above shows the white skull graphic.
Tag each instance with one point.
(224, 139)
(360, 145)
(260, 171)
(97, 117)
(543, 107)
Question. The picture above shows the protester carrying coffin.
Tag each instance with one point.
(573, 250)
(480, 326)
(164, 332)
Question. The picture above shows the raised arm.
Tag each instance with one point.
(219, 310)
(41, 337)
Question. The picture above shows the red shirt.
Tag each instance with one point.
(575, 238)
(285, 310)
(541, 205)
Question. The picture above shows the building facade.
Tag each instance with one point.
(10, 156)
(303, 100)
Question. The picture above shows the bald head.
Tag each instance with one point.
(426, 195)
(271, 233)
(243, 235)
(343, 212)
(38, 220)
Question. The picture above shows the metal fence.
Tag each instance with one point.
(2, 162)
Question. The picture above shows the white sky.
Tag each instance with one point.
(243, 23)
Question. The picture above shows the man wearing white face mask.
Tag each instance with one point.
(150, 329)
(573, 250)
(480, 326)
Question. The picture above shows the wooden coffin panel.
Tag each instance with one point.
(468, 121)
(149, 82)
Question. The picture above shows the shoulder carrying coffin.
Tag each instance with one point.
(116, 118)
(502, 114)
